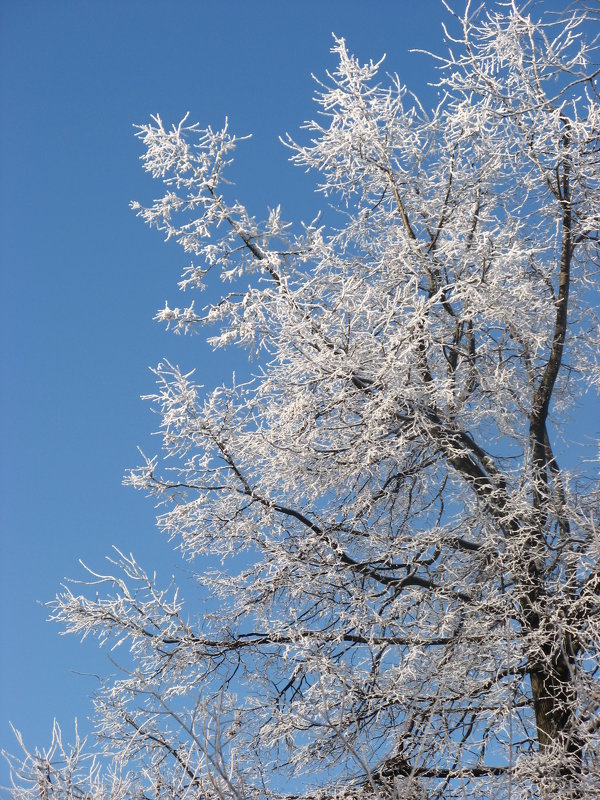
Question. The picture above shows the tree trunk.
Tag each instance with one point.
(554, 700)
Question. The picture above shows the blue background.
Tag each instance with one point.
(81, 277)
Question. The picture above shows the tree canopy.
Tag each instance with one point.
(402, 580)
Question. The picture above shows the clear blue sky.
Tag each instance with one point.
(81, 277)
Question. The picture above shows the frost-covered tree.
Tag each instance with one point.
(403, 592)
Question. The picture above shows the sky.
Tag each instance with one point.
(81, 277)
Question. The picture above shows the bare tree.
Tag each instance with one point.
(406, 602)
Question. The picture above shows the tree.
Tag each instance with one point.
(403, 590)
